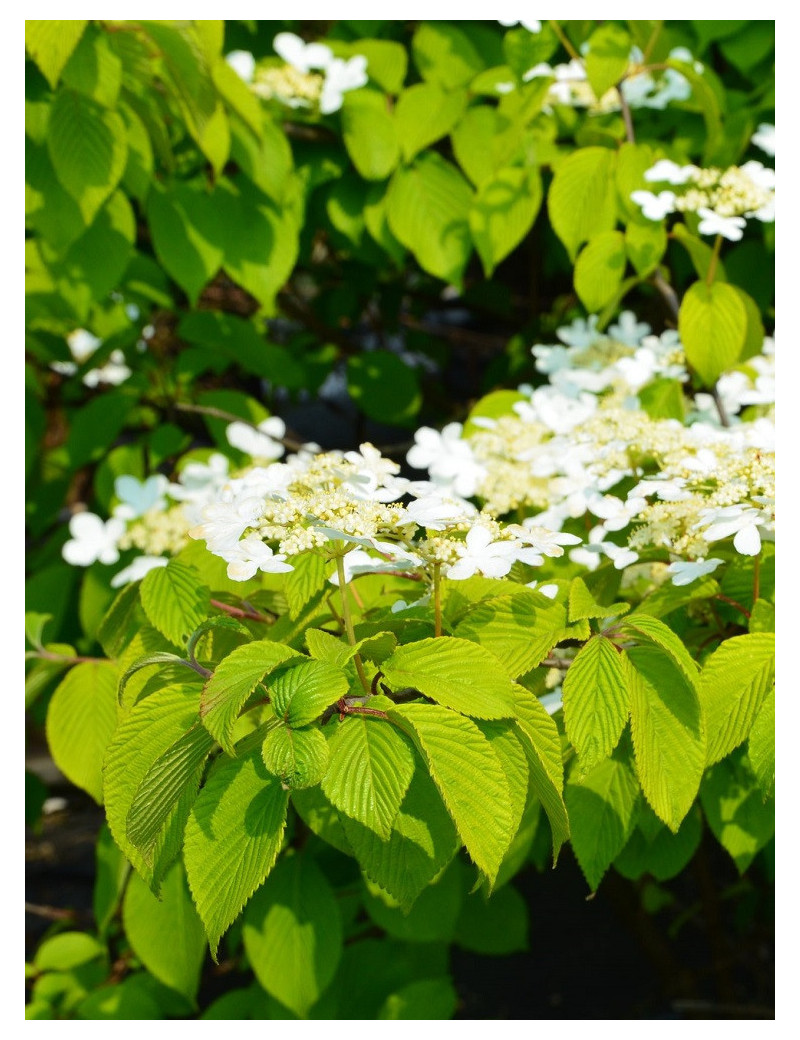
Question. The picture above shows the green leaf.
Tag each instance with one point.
(582, 201)
(293, 933)
(122, 619)
(583, 605)
(454, 672)
(654, 849)
(599, 269)
(508, 746)
(302, 690)
(94, 69)
(428, 208)
(761, 745)
(165, 933)
(732, 686)
(484, 142)
(519, 630)
(111, 876)
(713, 327)
(700, 253)
(370, 770)
(88, 148)
(234, 680)
(50, 44)
(668, 734)
(320, 816)
(238, 97)
(503, 212)
(298, 757)
(524, 49)
(161, 657)
(423, 840)
(34, 627)
(241, 341)
(267, 161)
(470, 778)
(445, 55)
(607, 59)
(653, 631)
(150, 729)
(387, 62)
(602, 806)
(81, 720)
(370, 135)
(185, 237)
(429, 999)
(172, 779)
(671, 597)
(497, 926)
(383, 386)
(542, 744)
(663, 399)
(738, 816)
(174, 600)
(68, 950)
(188, 72)
(424, 113)
(645, 245)
(754, 336)
(596, 700)
(434, 914)
(233, 837)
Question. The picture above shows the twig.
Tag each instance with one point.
(238, 612)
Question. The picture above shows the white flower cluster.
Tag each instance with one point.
(640, 88)
(581, 448)
(312, 76)
(82, 345)
(723, 199)
(348, 505)
(153, 516)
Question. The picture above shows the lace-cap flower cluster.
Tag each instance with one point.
(582, 448)
(349, 505)
(723, 199)
(311, 78)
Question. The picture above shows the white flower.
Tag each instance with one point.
(436, 513)
(761, 175)
(479, 554)
(300, 55)
(341, 76)
(764, 138)
(82, 344)
(251, 555)
(114, 371)
(551, 591)
(712, 223)
(448, 458)
(684, 572)
(531, 26)
(196, 479)
(92, 539)
(135, 571)
(654, 207)
(243, 64)
(628, 330)
(740, 521)
(671, 172)
(259, 442)
(138, 496)
(542, 69)
(224, 523)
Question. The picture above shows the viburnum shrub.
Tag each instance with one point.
(322, 691)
